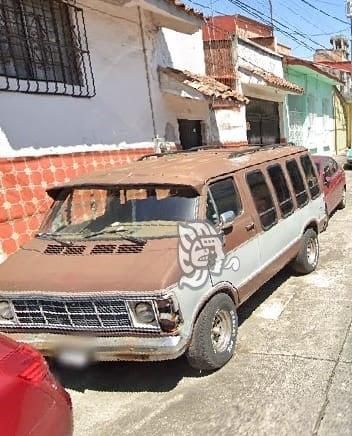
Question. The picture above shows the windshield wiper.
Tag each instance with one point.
(133, 239)
(53, 237)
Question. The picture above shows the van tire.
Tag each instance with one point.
(342, 203)
(327, 218)
(307, 258)
(216, 327)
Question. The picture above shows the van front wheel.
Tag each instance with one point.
(214, 334)
(307, 258)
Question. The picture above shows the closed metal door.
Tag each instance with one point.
(263, 122)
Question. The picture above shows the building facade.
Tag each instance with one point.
(342, 103)
(81, 90)
(237, 53)
(311, 115)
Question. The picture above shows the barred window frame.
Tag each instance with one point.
(44, 48)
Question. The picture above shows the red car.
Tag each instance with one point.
(334, 181)
(31, 401)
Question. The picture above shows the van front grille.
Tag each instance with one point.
(75, 314)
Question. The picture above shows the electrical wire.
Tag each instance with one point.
(260, 17)
(323, 12)
(301, 17)
(277, 25)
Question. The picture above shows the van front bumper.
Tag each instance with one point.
(130, 348)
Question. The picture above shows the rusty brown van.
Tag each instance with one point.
(152, 260)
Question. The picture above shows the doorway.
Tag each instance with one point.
(263, 122)
(190, 133)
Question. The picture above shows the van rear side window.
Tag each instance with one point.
(223, 198)
(262, 199)
(311, 178)
(297, 182)
(283, 195)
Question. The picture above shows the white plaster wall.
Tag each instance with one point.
(231, 125)
(186, 51)
(118, 116)
(319, 133)
(254, 56)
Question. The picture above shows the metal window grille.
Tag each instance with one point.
(44, 48)
(296, 123)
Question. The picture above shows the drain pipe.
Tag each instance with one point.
(141, 27)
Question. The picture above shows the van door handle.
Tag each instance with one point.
(250, 227)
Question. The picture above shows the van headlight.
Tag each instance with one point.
(144, 313)
(6, 312)
(163, 313)
(169, 314)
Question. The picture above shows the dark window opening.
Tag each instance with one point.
(297, 183)
(43, 48)
(223, 198)
(311, 178)
(262, 199)
(283, 195)
(190, 133)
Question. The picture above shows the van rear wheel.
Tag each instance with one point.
(214, 334)
(327, 217)
(307, 258)
(342, 203)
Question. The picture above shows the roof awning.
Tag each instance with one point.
(172, 14)
(195, 86)
(328, 74)
(265, 78)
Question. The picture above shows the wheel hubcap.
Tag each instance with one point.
(221, 331)
(312, 251)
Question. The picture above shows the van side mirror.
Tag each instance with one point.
(227, 219)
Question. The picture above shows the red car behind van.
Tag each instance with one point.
(31, 400)
(334, 181)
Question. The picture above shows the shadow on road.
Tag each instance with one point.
(127, 376)
(247, 308)
(151, 376)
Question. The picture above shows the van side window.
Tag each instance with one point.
(223, 197)
(283, 195)
(333, 165)
(327, 170)
(262, 199)
(311, 178)
(297, 182)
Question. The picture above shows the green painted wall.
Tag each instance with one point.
(311, 115)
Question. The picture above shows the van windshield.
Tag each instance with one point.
(116, 213)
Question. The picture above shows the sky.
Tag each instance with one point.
(294, 17)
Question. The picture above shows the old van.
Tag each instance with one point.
(152, 260)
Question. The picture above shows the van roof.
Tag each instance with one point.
(193, 168)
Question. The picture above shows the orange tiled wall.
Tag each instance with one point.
(23, 182)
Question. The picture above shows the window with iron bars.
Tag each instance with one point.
(44, 49)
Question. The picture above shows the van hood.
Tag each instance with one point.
(94, 266)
